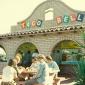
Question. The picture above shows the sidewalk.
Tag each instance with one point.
(63, 81)
(66, 81)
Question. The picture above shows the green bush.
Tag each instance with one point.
(80, 73)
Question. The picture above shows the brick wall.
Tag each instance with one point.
(44, 43)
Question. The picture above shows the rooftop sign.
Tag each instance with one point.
(66, 19)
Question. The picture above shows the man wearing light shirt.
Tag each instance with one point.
(42, 76)
(9, 74)
(53, 69)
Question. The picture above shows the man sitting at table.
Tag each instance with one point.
(53, 69)
(9, 74)
(42, 75)
(19, 70)
(35, 63)
(33, 69)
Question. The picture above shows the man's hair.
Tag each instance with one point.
(11, 62)
(49, 58)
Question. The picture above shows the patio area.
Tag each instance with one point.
(66, 81)
(63, 81)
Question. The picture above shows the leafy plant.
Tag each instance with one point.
(80, 73)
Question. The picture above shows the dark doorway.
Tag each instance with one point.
(26, 50)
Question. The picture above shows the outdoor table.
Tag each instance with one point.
(27, 73)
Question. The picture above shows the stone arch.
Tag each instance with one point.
(25, 43)
(65, 47)
(3, 47)
(78, 41)
(3, 56)
(22, 41)
(3, 63)
(26, 50)
(64, 40)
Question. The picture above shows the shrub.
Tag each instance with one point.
(80, 73)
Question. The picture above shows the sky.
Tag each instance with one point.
(13, 11)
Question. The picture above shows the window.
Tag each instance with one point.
(49, 14)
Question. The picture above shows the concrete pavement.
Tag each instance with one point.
(63, 81)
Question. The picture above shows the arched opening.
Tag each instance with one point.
(67, 53)
(3, 57)
(66, 50)
(26, 50)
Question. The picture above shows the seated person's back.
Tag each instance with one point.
(9, 73)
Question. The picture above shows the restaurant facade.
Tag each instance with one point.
(53, 29)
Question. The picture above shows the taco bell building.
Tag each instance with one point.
(53, 28)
